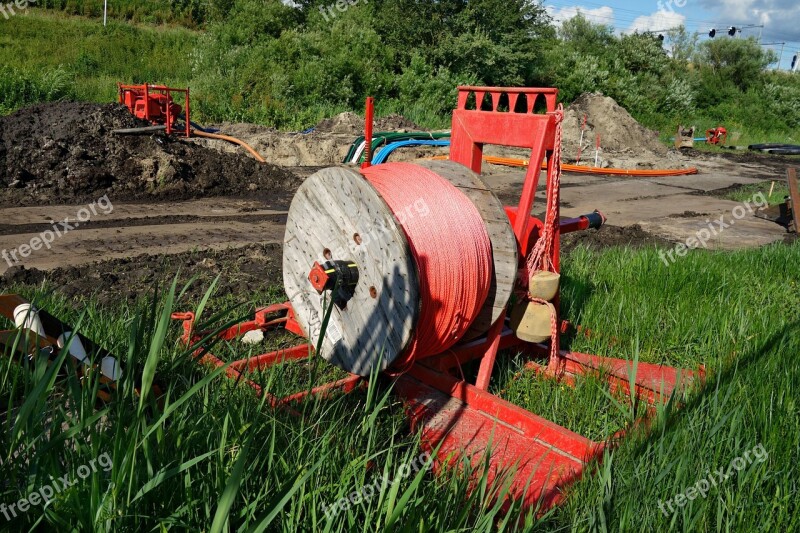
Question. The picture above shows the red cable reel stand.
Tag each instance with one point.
(359, 260)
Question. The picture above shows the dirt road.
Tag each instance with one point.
(134, 229)
(673, 209)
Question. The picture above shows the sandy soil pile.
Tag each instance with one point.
(344, 124)
(65, 152)
(351, 124)
(325, 145)
(624, 142)
(285, 149)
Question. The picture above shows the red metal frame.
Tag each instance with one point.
(145, 93)
(267, 318)
(462, 421)
(369, 115)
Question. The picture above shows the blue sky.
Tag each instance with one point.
(781, 18)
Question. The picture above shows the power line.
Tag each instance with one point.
(617, 21)
(629, 12)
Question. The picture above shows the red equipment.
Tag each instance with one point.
(462, 420)
(718, 135)
(155, 104)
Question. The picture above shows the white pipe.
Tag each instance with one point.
(76, 348)
(358, 152)
(109, 367)
(26, 316)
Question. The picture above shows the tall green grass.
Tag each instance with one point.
(215, 458)
(48, 57)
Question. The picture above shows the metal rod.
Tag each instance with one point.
(368, 132)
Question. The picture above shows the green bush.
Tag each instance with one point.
(19, 88)
(266, 62)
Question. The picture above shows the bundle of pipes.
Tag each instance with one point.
(356, 152)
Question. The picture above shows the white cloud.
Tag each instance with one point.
(781, 18)
(663, 19)
(601, 15)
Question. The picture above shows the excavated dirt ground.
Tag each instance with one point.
(624, 142)
(250, 269)
(205, 207)
(66, 153)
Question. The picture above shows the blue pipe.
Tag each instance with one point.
(383, 155)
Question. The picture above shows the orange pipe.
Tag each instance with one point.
(580, 169)
(233, 140)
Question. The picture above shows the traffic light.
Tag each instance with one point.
(712, 33)
(732, 31)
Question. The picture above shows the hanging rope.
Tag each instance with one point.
(541, 254)
(539, 258)
(450, 246)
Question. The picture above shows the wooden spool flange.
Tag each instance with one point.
(336, 214)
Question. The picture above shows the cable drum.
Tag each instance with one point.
(450, 246)
(423, 254)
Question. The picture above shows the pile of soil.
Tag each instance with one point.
(351, 124)
(610, 236)
(246, 272)
(395, 122)
(622, 138)
(65, 153)
(325, 145)
(343, 123)
(313, 149)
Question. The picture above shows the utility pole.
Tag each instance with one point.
(105, 12)
(781, 56)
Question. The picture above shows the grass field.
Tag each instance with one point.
(46, 57)
(214, 459)
(774, 191)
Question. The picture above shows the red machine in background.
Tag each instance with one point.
(718, 135)
(155, 104)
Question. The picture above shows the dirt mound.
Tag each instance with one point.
(395, 122)
(65, 152)
(343, 123)
(622, 138)
(351, 124)
(285, 149)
